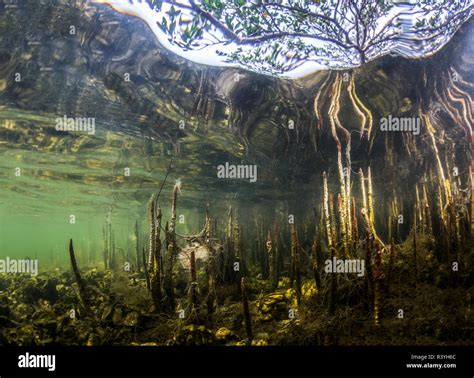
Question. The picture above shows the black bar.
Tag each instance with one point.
(240, 361)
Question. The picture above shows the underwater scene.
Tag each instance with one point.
(236, 173)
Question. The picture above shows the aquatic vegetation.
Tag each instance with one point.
(245, 305)
(238, 260)
(77, 275)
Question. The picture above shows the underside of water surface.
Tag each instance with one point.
(198, 205)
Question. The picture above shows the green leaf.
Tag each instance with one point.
(228, 21)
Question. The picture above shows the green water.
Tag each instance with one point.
(57, 187)
(38, 201)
